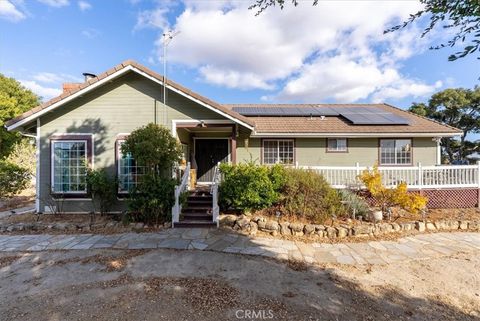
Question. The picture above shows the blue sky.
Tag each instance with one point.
(335, 52)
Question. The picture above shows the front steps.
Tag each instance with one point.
(198, 211)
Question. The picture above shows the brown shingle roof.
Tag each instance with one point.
(144, 69)
(336, 124)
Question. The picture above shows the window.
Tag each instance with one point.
(337, 145)
(129, 172)
(69, 166)
(278, 151)
(395, 152)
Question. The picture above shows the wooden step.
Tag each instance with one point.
(197, 209)
(195, 223)
(203, 203)
(196, 216)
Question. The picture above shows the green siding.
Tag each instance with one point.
(117, 107)
(312, 152)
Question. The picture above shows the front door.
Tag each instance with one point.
(208, 152)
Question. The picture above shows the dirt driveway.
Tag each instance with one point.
(193, 285)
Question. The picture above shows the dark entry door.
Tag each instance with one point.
(208, 152)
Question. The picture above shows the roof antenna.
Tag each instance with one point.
(167, 38)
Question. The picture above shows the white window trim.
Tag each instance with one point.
(395, 148)
(337, 150)
(119, 157)
(278, 150)
(52, 161)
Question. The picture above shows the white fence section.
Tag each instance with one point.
(416, 177)
(179, 189)
(214, 191)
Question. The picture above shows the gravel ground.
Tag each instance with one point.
(192, 285)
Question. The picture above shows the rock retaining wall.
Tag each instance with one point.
(73, 227)
(251, 225)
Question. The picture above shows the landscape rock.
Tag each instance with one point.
(430, 226)
(297, 227)
(420, 226)
(271, 226)
(228, 220)
(342, 232)
(440, 225)
(396, 227)
(243, 223)
(452, 225)
(253, 228)
(285, 229)
(308, 229)
(331, 232)
(474, 225)
(362, 230)
(261, 225)
(463, 225)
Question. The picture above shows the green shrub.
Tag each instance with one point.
(354, 202)
(153, 147)
(102, 189)
(248, 186)
(13, 179)
(307, 194)
(152, 199)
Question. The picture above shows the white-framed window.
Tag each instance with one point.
(278, 151)
(69, 166)
(337, 145)
(129, 173)
(395, 152)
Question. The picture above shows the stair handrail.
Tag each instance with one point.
(179, 189)
(214, 192)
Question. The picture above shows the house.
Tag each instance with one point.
(86, 124)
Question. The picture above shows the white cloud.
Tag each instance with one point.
(156, 18)
(84, 5)
(90, 33)
(43, 91)
(336, 50)
(55, 3)
(9, 12)
(51, 78)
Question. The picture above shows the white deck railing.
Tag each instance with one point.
(214, 191)
(416, 177)
(179, 189)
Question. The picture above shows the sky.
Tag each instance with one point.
(335, 52)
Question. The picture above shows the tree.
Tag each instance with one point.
(14, 100)
(262, 5)
(154, 148)
(462, 17)
(457, 107)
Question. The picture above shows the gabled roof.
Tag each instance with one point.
(337, 126)
(115, 72)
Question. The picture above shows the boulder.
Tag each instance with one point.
(362, 230)
(407, 226)
(297, 227)
(320, 230)
(396, 227)
(243, 223)
(285, 229)
(271, 226)
(261, 225)
(430, 226)
(253, 228)
(474, 225)
(463, 225)
(228, 220)
(309, 229)
(331, 232)
(452, 225)
(342, 232)
(420, 226)
(440, 225)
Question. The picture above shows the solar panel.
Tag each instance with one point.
(357, 115)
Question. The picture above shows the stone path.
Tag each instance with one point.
(420, 246)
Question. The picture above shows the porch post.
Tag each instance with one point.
(233, 145)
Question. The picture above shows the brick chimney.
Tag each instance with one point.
(68, 86)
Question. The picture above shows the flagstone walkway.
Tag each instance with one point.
(420, 246)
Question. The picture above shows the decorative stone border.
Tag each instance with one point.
(251, 225)
(73, 227)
